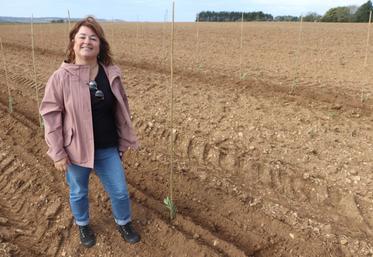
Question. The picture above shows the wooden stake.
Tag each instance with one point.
(172, 206)
(137, 36)
(172, 99)
(241, 46)
(297, 68)
(34, 70)
(368, 36)
(6, 79)
(362, 96)
(69, 22)
(197, 43)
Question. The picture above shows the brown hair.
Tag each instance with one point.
(104, 55)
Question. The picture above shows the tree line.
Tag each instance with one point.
(233, 16)
(336, 14)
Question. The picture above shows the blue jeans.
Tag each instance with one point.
(109, 169)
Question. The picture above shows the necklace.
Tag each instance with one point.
(93, 72)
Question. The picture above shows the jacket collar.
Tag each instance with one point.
(112, 71)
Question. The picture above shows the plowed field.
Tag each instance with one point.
(278, 163)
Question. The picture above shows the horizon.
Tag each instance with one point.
(160, 10)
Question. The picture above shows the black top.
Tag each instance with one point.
(104, 128)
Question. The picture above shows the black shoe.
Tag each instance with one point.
(128, 233)
(87, 237)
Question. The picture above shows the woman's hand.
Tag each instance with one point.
(61, 165)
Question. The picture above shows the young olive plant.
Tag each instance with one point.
(168, 200)
(170, 206)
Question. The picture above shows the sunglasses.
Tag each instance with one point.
(93, 86)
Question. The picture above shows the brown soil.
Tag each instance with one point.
(259, 171)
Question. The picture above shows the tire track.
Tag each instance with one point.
(280, 180)
(227, 248)
(223, 158)
(54, 210)
(19, 229)
(27, 198)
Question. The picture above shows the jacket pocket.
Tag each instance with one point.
(67, 137)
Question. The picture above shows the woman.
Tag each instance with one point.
(87, 126)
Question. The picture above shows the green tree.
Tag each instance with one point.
(286, 18)
(362, 13)
(233, 16)
(337, 14)
(312, 16)
(57, 21)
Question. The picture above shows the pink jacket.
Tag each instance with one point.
(66, 111)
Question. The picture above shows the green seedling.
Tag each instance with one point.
(333, 114)
(199, 67)
(171, 207)
(243, 76)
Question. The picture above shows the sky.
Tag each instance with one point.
(157, 10)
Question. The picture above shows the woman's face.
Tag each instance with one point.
(86, 45)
